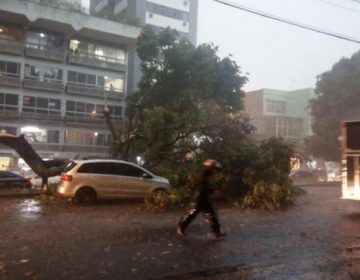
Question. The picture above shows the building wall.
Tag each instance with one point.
(57, 70)
(278, 113)
(178, 14)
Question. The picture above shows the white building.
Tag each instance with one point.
(57, 67)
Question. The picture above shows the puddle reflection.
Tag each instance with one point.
(30, 209)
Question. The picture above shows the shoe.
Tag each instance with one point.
(180, 232)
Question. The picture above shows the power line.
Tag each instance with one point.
(287, 21)
(339, 6)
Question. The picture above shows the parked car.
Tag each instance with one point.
(89, 180)
(36, 180)
(11, 180)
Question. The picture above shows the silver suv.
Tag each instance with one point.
(89, 180)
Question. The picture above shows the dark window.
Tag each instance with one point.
(97, 168)
(128, 170)
(42, 102)
(11, 99)
(80, 107)
(117, 110)
(72, 76)
(2, 66)
(70, 106)
(353, 135)
(91, 79)
(12, 68)
(53, 136)
(81, 78)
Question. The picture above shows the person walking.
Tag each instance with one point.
(203, 202)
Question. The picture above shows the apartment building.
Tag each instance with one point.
(58, 68)
(159, 14)
(278, 113)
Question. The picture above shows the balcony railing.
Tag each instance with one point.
(84, 119)
(8, 79)
(94, 60)
(86, 149)
(70, 148)
(45, 84)
(11, 46)
(47, 116)
(45, 52)
(85, 89)
(9, 112)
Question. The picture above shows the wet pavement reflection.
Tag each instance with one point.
(317, 239)
(29, 209)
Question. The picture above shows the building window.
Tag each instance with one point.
(8, 68)
(42, 105)
(97, 51)
(288, 127)
(107, 83)
(42, 40)
(91, 110)
(153, 8)
(275, 106)
(9, 102)
(35, 134)
(53, 136)
(43, 73)
(86, 138)
(11, 32)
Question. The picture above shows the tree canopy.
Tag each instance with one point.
(337, 98)
(187, 109)
(186, 96)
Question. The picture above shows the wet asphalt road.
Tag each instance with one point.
(319, 238)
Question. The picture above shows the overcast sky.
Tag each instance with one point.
(277, 55)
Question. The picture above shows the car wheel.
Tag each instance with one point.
(85, 196)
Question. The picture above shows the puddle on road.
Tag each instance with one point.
(30, 209)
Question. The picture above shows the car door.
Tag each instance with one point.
(133, 181)
(100, 176)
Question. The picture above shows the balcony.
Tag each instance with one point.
(46, 116)
(45, 84)
(11, 46)
(86, 149)
(45, 52)
(49, 147)
(9, 113)
(82, 58)
(84, 119)
(10, 80)
(90, 90)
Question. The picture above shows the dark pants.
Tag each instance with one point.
(209, 214)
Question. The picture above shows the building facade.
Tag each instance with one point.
(159, 14)
(277, 113)
(58, 68)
